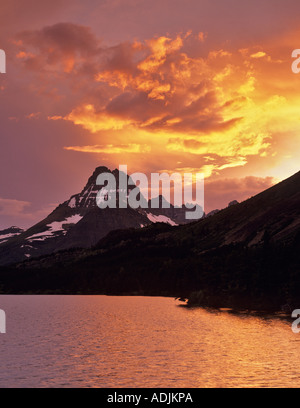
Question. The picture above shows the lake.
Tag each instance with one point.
(99, 341)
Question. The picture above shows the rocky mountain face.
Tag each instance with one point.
(80, 223)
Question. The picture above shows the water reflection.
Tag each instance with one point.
(97, 341)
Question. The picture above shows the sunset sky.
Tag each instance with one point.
(162, 85)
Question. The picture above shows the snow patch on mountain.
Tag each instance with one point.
(7, 236)
(54, 228)
(72, 202)
(161, 218)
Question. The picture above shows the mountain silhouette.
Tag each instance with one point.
(80, 223)
(245, 256)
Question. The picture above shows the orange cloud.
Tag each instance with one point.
(34, 115)
(87, 117)
(166, 93)
(63, 46)
(259, 54)
(111, 149)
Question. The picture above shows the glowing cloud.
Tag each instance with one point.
(111, 149)
(164, 93)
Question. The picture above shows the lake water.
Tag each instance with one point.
(98, 341)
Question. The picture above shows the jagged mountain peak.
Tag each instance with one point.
(93, 178)
(78, 222)
(87, 198)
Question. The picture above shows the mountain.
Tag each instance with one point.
(78, 222)
(245, 256)
(9, 233)
(163, 211)
(272, 216)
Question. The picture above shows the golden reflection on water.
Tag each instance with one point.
(97, 341)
